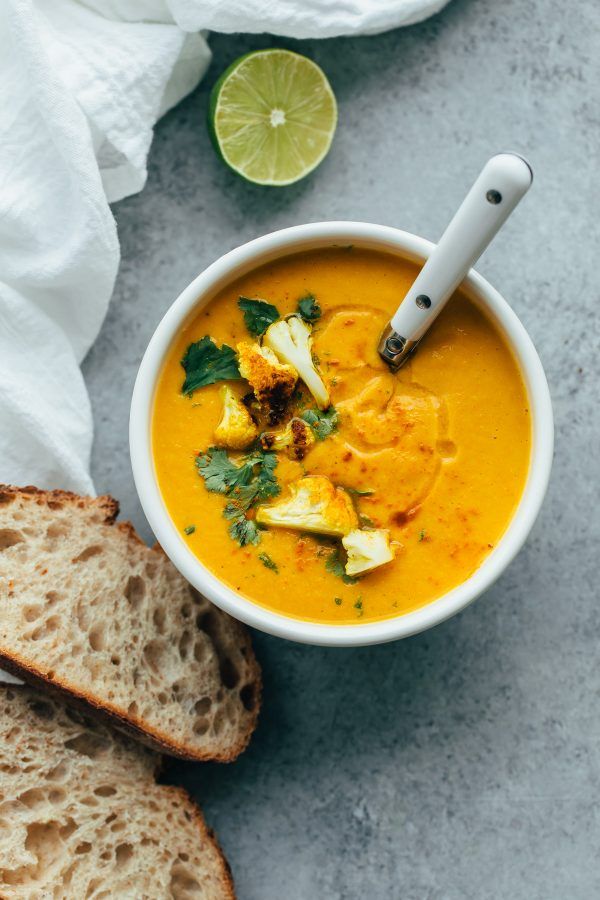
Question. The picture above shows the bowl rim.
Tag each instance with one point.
(246, 257)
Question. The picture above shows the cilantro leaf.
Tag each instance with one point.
(267, 485)
(244, 484)
(268, 563)
(258, 315)
(219, 472)
(309, 308)
(244, 531)
(205, 363)
(257, 482)
(335, 564)
(322, 423)
(233, 510)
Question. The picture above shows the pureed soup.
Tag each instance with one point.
(341, 493)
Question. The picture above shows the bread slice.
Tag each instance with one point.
(87, 608)
(81, 815)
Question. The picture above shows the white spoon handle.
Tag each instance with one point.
(504, 180)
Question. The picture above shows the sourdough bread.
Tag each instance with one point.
(88, 609)
(81, 815)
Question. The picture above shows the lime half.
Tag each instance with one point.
(273, 116)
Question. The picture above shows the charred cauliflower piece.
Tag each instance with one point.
(296, 438)
(291, 340)
(272, 382)
(366, 550)
(313, 504)
(236, 428)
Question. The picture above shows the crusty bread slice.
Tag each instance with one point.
(81, 815)
(87, 608)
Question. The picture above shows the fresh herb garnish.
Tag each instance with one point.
(359, 606)
(189, 529)
(358, 492)
(308, 308)
(337, 601)
(205, 363)
(422, 534)
(258, 315)
(335, 564)
(244, 484)
(244, 531)
(322, 423)
(219, 472)
(267, 562)
(366, 520)
(252, 479)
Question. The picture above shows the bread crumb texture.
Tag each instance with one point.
(82, 817)
(89, 609)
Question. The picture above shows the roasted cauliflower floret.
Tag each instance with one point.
(291, 340)
(272, 382)
(313, 504)
(366, 550)
(236, 428)
(296, 438)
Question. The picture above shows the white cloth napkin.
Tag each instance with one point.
(81, 86)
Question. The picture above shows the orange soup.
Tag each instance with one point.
(382, 494)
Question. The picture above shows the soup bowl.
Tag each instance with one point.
(263, 250)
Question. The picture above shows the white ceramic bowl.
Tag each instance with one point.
(199, 292)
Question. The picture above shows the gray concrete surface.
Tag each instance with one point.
(463, 763)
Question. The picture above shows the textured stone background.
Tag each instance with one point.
(463, 763)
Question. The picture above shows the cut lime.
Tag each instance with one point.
(273, 116)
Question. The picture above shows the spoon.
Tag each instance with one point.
(503, 181)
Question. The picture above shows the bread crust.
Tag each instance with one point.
(129, 725)
(134, 726)
(206, 834)
(106, 503)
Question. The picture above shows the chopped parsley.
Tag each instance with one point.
(322, 423)
(189, 529)
(359, 606)
(244, 484)
(258, 315)
(337, 601)
(268, 563)
(335, 564)
(308, 308)
(422, 534)
(205, 363)
(358, 492)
